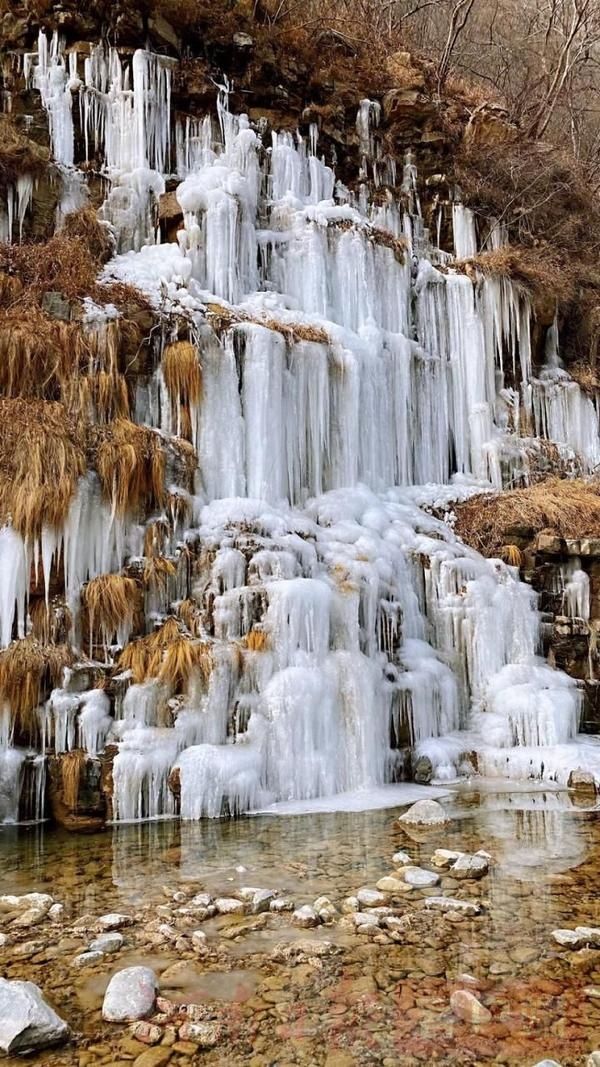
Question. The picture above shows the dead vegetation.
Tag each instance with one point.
(130, 461)
(498, 524)
(183, 378)
(540, 274)
(111, 602)
(71, 769)
(28, 671)
(169, 655)
(19, 155)
(42, 456)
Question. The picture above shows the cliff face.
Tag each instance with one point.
(261, 300)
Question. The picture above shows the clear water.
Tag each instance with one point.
(373, 1004)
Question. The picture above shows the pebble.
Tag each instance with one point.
(420, 878)
(84, 959)
(370, 898)
(107, 943)
(30, 917)
(464, 907)
(470, 867)
(281, 904)
(401, 859)
(467, 1007)
(114, 921)
(199, 939)
(393, 885)
(230, 906)
(206, 1035)
(147, 1033)
(43, 901)
(445, 857)
(305, 916)
(56, 912)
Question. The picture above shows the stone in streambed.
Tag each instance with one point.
(424, 813)
(27, 1023)
(130, 995)
(470, 866)
(305, 916)
(371, 898)
(107, 943)
(467, 1007)
(114, 921)
(452, 904)
(420, 878)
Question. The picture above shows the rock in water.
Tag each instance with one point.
(425, 813)
(466, 1006)
(130, 995)
(423, 770)
(27, 1023)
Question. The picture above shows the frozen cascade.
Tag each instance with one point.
(348, 369)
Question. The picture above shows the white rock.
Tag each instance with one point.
(424, 813)
(305, 916)
(590, 935)
(199, 939)
(466, 1006)
(29, 900)
(420, 878)
(282, 904)
(107, 943)
(30, 917)
(201, 900)
(114, 921)
(567, 938)
(445, 857)
(465, 907)
(3, 940)
(56, 912)
(549, 1063)
(364, 918)
(470, 866)
(593, 1060)
(401, 859)
(130, 995)
(27, 1023)
(371, 898)
(261, 901)
(350, 904)
(230, 906)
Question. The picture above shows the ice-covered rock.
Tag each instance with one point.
(27, 1023)
(130, 995)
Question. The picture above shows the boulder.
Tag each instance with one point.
(27, 1023)
(130, 995)
(424, 813)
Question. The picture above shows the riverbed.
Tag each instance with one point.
(362, 999)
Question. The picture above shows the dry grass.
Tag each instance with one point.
(157, 571)
(85, 225)
(42, 456)
(28, 671)
(18, 154)
(111, 601)
(130, 461)
(71, 768)
(256, 641)
(50, 623)
(183, 377)
(535, 269)
(493, 523)
(168, 655)
(190, 614)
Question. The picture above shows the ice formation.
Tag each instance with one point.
(358, 374)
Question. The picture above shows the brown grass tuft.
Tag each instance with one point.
(492, 523)
(168, 655)
(28, 671)
(71, 767)
(18, 154)
(111, 601)
(256, 641)
(42, 455)
(183, 377)
(130, 461)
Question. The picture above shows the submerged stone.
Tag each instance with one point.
(424, 813)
